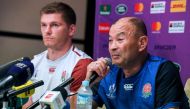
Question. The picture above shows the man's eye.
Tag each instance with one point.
(120, 39)
(54, 25)
(43, 25)
(109, 40)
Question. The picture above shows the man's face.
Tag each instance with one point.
(55, 31)
(123, 45)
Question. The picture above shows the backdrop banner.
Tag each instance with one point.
(167, 21)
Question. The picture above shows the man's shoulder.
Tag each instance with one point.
(156, 58)
(39, 56)
(79, 53)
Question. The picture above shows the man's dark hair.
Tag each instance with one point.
(140, 26)
(67, 12)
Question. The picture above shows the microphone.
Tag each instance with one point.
(22, 93)
(18, 74)
(26, 90)
(95, 75)
(26, 93)
(54, 99)
(65, 83)
(5, 68)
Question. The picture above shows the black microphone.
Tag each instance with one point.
(95, 75)
(62, 85)
(26, 89)
(5, 68)
(18, 74)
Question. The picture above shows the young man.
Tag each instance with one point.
(136, 80)
(62, 59)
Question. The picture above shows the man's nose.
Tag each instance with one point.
(113, 45)
(48, 30)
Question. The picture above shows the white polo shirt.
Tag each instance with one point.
(55, 72)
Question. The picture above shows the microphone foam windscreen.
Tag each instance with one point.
(21, 72)
(25, 59)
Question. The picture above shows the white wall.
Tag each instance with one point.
(13, 48)
(22, 16)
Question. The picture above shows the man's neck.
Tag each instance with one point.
(54, 54)
(135, 68)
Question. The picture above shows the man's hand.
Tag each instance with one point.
(100, 67)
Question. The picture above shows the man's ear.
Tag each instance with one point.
(72, 30)
(143, 41)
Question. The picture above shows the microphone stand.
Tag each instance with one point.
(13, 102)
(5, 101)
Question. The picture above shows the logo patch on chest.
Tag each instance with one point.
(52, 70)
(147, 90)
(111, 93)
(128, 87)
(63, 76)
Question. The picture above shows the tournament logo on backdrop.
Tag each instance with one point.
(105, 9)
(176, 27)
(178, 6)
(138, 8)
(156, 27)
(121, 9)
(157, 7)
(104, 27)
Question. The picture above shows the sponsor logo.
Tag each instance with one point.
(138, 8)
(176, 27)
(48, 96)
(157, 7)
(164, 47)
(146, 92)
(121, 9)
(156, 27)
(52, 69)
(104, 27)
(178, 6)
(128, 87)
(21, 65)
(105, 9)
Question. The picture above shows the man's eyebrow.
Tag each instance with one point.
(121, 33)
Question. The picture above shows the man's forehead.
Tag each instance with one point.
(120, 27)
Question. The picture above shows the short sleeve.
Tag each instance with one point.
(97, 94)
(169, 87)
(79, 73)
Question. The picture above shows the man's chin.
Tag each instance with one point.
(116, 62)
(48, 44)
